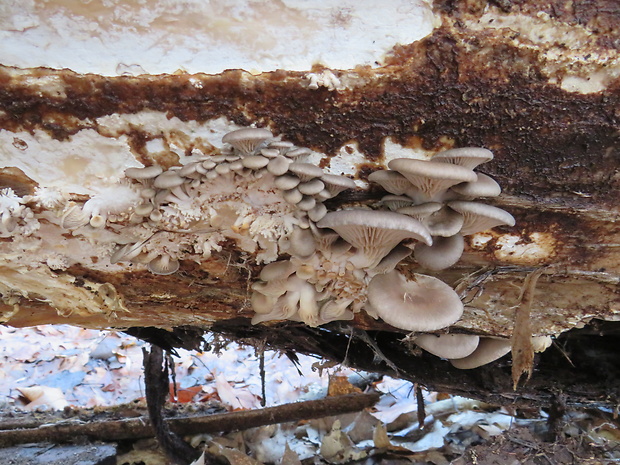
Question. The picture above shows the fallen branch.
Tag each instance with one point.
(138, 428)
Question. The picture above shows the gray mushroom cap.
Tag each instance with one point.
(432, 178)
(391, 181)
(448, 345)
(148, 172)
(163, 265)
(305, 171)
(246, 140)
(423, 303)
(374, 233)
(484, 186)
(335, 184)
(444, 252)
(488, 350)
(480, 217)
(467, 157)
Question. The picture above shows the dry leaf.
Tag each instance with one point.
(339, 385)
(522, 348)
(43, 397)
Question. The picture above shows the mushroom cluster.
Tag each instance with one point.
(257, 190)
(345, 261)
(440, 193)
(319, 266)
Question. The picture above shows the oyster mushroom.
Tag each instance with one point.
(442, 254)
(423, 303)
(467, 157)
(148, 172)
(448, 346)
(335, 184)
(391, 181)
(480, 217)
(484, 186)
(431, 178)
(163, 265)
(374, 233)
(488, 350)
(247, 140)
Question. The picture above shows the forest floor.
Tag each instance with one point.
(61, 373)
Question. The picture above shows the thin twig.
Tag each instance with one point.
(137, 428)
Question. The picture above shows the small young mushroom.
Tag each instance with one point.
(448, 345)
(395, 202)
(286, 182)
(432, 178)
(305, 171)
(335, 184)
(163, 265)
(480, 217)
(301, 243)
(247, 140)
(423, 303)
(255, 162)
(278, 166)
(467, 157)
(168, 180)
(488, 350)
(374, 233)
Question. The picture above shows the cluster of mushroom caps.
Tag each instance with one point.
(346, 261)
(251, 157)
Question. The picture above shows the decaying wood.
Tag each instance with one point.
(137, 428)
(556, 158)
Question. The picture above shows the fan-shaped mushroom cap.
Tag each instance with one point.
(391, 181)
(468, 157)
(480, 217)
(163, 265)
(448, 345)
(286, 182)
(311, 187)
(73, 217)
(440, 220)
(374, 233)
(276, 270)
(424, 303)
(248, 139)
(254, 162)
(167, 180)
(394, 202)
(335, 184)
(444, 252)
(278, 165)
(431, 177)
(488, 350)
(422, 211)
(484, 186)
(305, 171)
(148, 172)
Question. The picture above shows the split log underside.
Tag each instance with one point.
(556, 158)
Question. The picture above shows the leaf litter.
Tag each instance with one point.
(63, 367)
